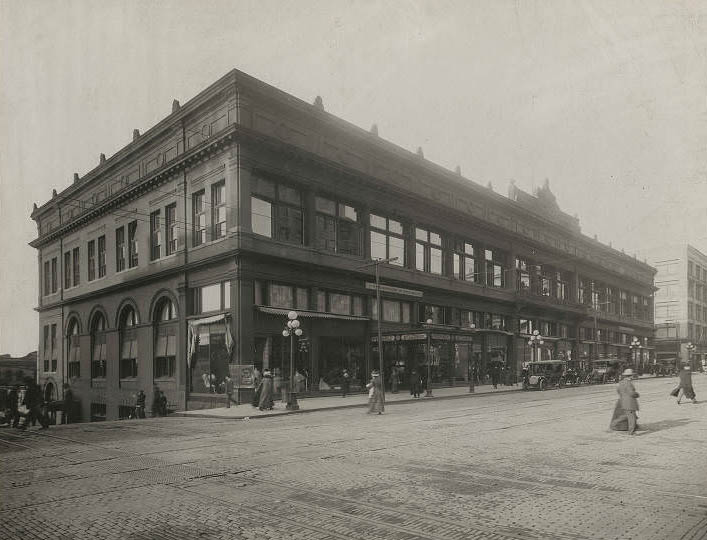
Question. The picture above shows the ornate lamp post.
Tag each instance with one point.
(634, 346)
(292, 330)
(472, 364)
(428, 390)
(690, 349)
(535, 341)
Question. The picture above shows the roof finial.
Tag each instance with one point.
(374, 129)
(175, 105)
(53, 193)
(102, 158)
(136, 134)
(76, 177)
(319, 103)
(34, 207)
(420, 152)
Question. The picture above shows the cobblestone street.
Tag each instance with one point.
(538, 465)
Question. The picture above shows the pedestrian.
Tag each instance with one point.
(266, 392)
(68, 404)
(156, 401)
(345, 383)
(13, 399)
(375, 394)
(299, 382)
(415, 384)
(394, 380)
(163, 404)
(34, 402)
(494, 374)
(140, 404)
(257, 377)
(229, 392)
(685, 386)
(627, 404)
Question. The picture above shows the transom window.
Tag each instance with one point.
(428, 251)
(340, 303)
(216, 297)
(338, 227)
(387, 239)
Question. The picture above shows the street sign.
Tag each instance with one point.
(242, 375)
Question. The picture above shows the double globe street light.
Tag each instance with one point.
(535, 341)
(293, 329)
(635, 346)
(690, 349)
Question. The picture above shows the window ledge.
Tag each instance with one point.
(166, 257)
(128, 269)
(164, 379)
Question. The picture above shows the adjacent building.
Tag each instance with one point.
(680, 306)
(177, 260)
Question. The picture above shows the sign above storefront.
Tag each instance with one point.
(395, 290)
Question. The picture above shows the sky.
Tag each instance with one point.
(606, 99)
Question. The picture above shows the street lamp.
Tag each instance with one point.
(634, 346)
(535, 341)
(472, 363)
(690, 349)
(293, 329)
(428, 390)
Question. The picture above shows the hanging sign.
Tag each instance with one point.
(242, 374)
(394, 290)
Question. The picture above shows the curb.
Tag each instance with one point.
(339, 407)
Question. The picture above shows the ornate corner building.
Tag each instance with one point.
(179, 257)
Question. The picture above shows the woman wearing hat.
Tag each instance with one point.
(628, 404)
(685, 386)
(266, 391)
(375, 394)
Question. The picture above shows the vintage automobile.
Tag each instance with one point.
(575, 374)
(606, 370)
(545, 374)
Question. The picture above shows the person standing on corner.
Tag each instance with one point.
(685, 387)
(345, 383)
(140, 404)
(156, 401)
(628, 398)
(229, 392)
(266, 392)
(375, 394)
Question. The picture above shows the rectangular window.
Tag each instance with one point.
(340, 303)
(155, 236)
(464, 262)
(393, 310)
(218, 210)
(47, 281)
(67, 270)
(170, 217)
(338, 227)
(128, 354)
(91, 260)
(74, 356)
(388, 241)
(120, 249)
(54, 348)
(54, 275)
(495, 272)
(132, 244)
(281, 296)
(276, 212)
(428, 251)
(165, 352)
(302, 298)
(46, 351)
(198, 219)
(101, 256)
(76, 261)
(98, 358)
(216, 297)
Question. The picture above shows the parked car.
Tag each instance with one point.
(545, 374)
(606, 370)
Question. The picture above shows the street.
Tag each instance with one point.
(521, 465)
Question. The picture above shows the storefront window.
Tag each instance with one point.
(393, 310)
(209, 365)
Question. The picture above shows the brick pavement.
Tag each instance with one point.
(511, 466)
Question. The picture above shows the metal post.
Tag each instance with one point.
(380, 340)
(428, 390)
(472, 363)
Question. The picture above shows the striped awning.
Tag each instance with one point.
(310, 314)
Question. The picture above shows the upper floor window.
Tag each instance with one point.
(276, 211)
(170, 218)
(340, 303)
(54, 275)
(91, 260)
(101, 256)
(155, 236)
(523, 273)
(73, 348)
(47, 278)
(98, 347)
(495, 271)
(471, 319)
(338, 227)
(433, 314)
(120, 249)
(128, 344)
(198, 218)
(428, 251)
(77, 268)
(387, 239)
(218, 210)
(67, 270)
(216, 297)
(464, 262)
(132, 244)
(46, 349)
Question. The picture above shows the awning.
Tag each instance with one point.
(310, 314)
(194, 325)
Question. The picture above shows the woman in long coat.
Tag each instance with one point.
(266, 391)
(685, 386)
(375, 394)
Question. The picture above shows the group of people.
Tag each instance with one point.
(625, 417)
(33, 401)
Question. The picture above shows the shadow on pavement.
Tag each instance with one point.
(652, 427)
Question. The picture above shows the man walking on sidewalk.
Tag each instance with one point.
(345, 383)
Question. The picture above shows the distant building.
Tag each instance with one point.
(680, 305)
(14, 370)
(178, 259)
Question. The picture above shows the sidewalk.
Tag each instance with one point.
(311, 404)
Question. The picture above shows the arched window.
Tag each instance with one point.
(72, 345)
(98, 347)
(165, 339)
(128, 344)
